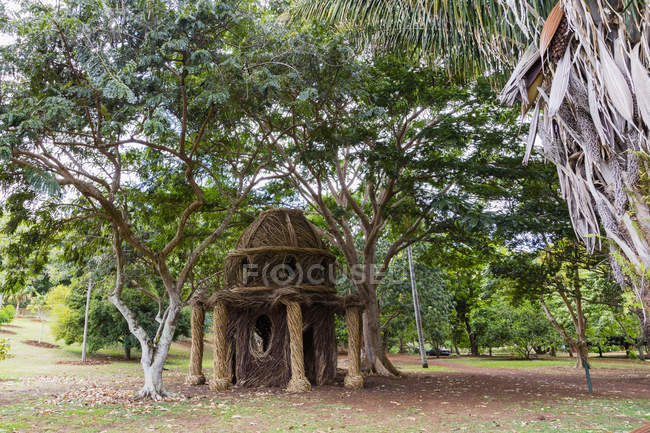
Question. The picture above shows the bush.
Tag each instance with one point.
(7, 314)
(4, 348)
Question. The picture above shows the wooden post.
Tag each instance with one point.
(353, 379)
(416, 309)
(195, 376)
(221, 380)
(298, 382)
(85, 340)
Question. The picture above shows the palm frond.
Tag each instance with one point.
(468, 38)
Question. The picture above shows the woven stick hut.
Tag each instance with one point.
(274, 318)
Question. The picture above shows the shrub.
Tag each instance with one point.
(7, 314)
(4, 348)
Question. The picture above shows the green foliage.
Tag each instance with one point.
(469, 38)
(7, 314)
(396, 302)
(106, 326)
(530, 329)
(4, 348)
(492, 324)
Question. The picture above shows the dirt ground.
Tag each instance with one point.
(459, 394)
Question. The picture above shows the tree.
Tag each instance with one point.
(530, 329)
(396, 302)
(4, 348)
(595, 111)
(377, 153)
(129, 110)
(469, 40)
(592, 98)
(22, 297)
(7, 314)
(39, 306)
(106, 324)
(568, 283)
(490, 324)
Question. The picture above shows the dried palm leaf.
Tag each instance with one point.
(511, 91)
(560, 83)
(641, 82)
(532, 132)
(531, 93)
(550, 27)
(615, 83)
(594, 108)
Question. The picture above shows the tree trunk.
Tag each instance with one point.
(639, 347)
(40, 333)
(153, 355)
(553, 354)
(490, 351)
(456, 349)
(153, 383)
(583, 353)
(401, 345)
(573, 345)
(374, 350)
(127, 352)
(153, 362)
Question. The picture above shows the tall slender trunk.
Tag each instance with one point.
(40, 334)
(85, 339)
(416, 309)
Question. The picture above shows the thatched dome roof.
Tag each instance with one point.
(280, 249)
(280, 227)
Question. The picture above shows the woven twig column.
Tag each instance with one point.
(221, 380)
(354, 379)
(195, 376)
(298, 382)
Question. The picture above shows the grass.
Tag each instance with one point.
(28, 403)
(31, 361)
(548, 364)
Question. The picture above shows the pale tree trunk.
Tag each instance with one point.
(40, 333)
(154, 350)
(154, 357)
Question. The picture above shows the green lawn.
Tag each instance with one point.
(540, 363)
(33, 390)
